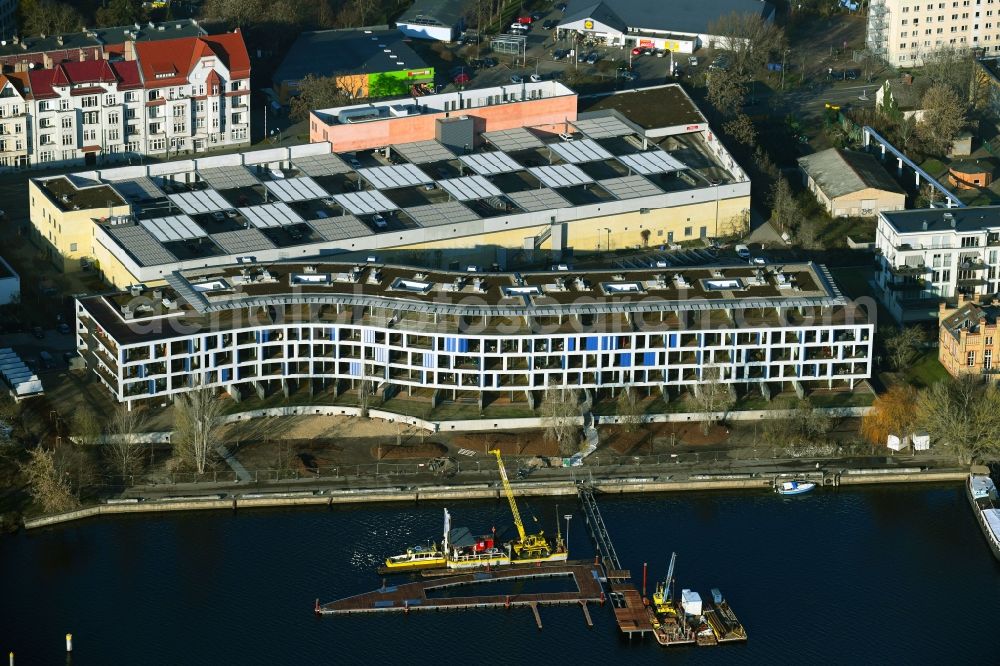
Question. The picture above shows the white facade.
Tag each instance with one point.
(902, 32)
(957, 252)
(10, 283)
(14, 119)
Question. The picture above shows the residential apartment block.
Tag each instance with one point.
(934, 255)
(287, 326)
(902, 32)
(161, 98)
(968, 336)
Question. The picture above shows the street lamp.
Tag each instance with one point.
(568, 516)
(608, 249)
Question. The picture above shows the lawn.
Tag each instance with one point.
(853, 280)
(926, 369)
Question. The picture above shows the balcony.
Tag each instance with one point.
(906, 270)
(971, 263)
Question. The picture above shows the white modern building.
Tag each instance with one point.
(439, 20)
(930, 256)
(265, 328)
(902, 32)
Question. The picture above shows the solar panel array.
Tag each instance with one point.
(340, 228)
(321, 165)
(470, 187)
(630, 187)
(141, 244)
(295, 189)
(602, 128)
(540, 199)
(513, 139)
(368, 201)
(576, 152)
(424, 152)
(242, 241)
(398, 175)
(490, 164)
(172, 228)
(199, 201)
(560, 175)
(271, 215)
(228, 177)
(435, 215)
(653, 161)
(138, 189)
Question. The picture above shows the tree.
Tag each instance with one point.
(630, 410)
(711, 395)
(903, 344)
(741, 129)
(47, 17)
(196, 422)
(366, 391)
(785, 212)
(119, 12)
(955, 68)
(321, 92)
(748, 39)
(123, 448)
(47, 486)
(87, 427)
(560, 409)
(725, 91)
(944, 117)
(892, 413)
(963, 413)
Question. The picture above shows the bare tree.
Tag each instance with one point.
(560, 409)
(965, 414)
(741, 129)
(955, 68)
(49, 487)
(944, 117)
(321, 92)
(123, 448)
(711, 395)
(196, 423)
(87, 427)
(725, 91)
(630, 410)
(366, 391)
(748, 39)
(903, 344)
(785, 212)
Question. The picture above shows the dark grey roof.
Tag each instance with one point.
(976, 218)
(147, 32)
(352, 50)
(440, 12)
(840, 172)
(690, 16)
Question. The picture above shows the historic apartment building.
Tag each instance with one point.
(935, 255)
(902, 32)
(262, 327)
(585, 182)
(166, 97)
(968, 339)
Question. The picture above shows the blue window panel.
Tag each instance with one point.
(463, 345)
(429, 361)
(333, 334)
(380, 354)
(625, 360)
(649, 358)
(760, 337)
(142, 370)
(226, 372)
(701, 339)
(571, 344)
(368, 335)
(591, 343)
(673, 340)
(698, 357)
(564, 361)
(356, 368)
(152, 386)
(608, 343)
(187, 364)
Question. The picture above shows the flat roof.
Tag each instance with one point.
(840, 172)
(686, 16)
(200, 298)
(939, 220)
(435, 12)
(649, 108)
(348, 51)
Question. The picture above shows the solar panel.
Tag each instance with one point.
(242, 241)
(295, 189)
(424, 152)
(470, 187)
(537, 200)
(602, 128)
(653, 161)
(492, 163)
(172, 228)
(271, 215)
(368, 201)
(321, 165)
(513, 139)
(138, 189)
(397, 175)
(340, 228)
(560, 175)
(141, 245)
(576, 152)
(199, 201)
(228, 177)
(443, 213)
(630, 187)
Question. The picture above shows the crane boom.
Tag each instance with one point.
(670, 574)
(510, 496)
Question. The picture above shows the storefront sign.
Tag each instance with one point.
(588, 24)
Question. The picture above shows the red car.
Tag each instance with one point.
(525, 20)
(461, 78)
(639, 50)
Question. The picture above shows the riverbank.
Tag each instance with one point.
(411, 494)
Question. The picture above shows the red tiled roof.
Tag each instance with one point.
(42, 81)
(128, 74)
(169, 62)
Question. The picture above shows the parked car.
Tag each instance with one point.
(759, 260)
(629, 75)
(525, 20)
(461, 78)
(692, 61)
(559, 54)
(742, 251)
(550, 24)
(518, 27)
(566, 137)
(535, 78)
(592, 58)
(537, 16)
(379, 221)
(561, 6)
(63, 328)
(490, 62)
(38, 332)
(45, 360)
(516, 78)
(640, 50)
(720, 62)
(354, 162)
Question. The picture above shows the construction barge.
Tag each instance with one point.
(463, 561)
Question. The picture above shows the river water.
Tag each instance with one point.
(888, 575)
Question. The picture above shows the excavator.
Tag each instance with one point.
(528, 546)
(662, 598)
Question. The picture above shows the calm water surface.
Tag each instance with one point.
(886, 575)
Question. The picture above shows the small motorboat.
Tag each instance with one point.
(794, 487)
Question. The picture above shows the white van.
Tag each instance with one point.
(742, 251)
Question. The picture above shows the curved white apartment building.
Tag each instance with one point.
(260, 327)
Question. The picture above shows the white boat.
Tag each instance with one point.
(985, 501)
(794, 487)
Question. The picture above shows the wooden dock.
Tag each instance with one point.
(414, 596)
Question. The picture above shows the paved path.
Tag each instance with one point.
(241, 472)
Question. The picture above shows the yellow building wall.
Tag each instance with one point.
(66, 235)
(113, 271)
